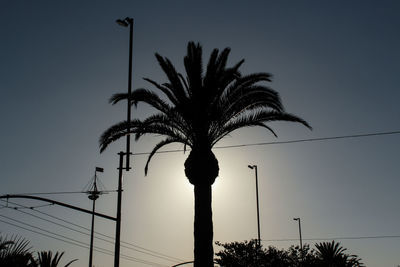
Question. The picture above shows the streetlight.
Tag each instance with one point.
(125, 23)
(258, 210)
(301, 242)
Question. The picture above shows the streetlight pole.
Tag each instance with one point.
(93, 195)
(258, 209)
(125, 23)
(301, 241)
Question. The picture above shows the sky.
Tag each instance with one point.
(335, 64)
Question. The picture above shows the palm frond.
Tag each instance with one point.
(238, 124)
(165, 142)
(211, 74)
(115, 98)
(176, 86)
(249, 99)
(46, 259)
(17, 246)
(117, 131)
(151, 98)
(256, 118)
(247, 80)
(164, 130)
(171, 123)
(222, 59)
(15, 251)
(165, 90)
(194, 68)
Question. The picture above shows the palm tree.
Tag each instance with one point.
(46, 259)
(15, 252)
(332, 254)
(198, 111)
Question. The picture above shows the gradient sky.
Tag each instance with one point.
(335, 64)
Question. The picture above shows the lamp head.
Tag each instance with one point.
(129, 20)
(296, 219)
(122, 22)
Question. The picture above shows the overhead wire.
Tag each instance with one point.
(283, 142)
(70, 192)
(73, 241)
(32, 207)
(125, 244)
(333, 238)
(99, 238)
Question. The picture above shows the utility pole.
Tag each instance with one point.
(119, 203)
(93, 195)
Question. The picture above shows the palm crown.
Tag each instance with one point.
(202, 108)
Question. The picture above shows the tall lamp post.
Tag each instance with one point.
(125, 23)
(301, 241)
(258, 209)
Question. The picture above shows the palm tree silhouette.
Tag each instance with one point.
(332, 254)
(199, 110)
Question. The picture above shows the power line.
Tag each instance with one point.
(99, 238)
(133, 246)
(314, 139)
(32, 207)
(70, 192)
(74, 241)
(284, 142)
(334, 238)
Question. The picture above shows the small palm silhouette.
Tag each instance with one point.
(332, 254)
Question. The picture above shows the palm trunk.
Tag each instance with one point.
(201, 168)
(203, 227)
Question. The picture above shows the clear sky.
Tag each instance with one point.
(335, 64)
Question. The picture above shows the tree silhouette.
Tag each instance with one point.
(199, 110)
(249, 254)
(332, 254)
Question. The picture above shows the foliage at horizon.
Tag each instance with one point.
(249, 254)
